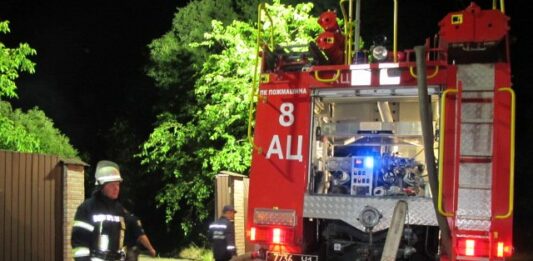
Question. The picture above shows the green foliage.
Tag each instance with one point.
(31, 132)
(172, 49)
(194, 252)
(13, 61)
(13, 136)
(207, 134)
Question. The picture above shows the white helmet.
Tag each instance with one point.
(106, 171)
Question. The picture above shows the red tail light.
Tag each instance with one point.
(499, 249)
(470, 249)
(503, 250)
(473, 247)
(272, 235)
(276, 236)
(252, 234)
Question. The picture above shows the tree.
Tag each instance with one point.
(174, 64)
(13, 136)
(188, 147)
(32, 131)
(19, 131)
(13, 61)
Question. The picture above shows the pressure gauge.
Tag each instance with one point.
(369, 217)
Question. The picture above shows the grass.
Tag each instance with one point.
(149, 258)
(190, 253)
(196, 253)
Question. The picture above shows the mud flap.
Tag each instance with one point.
(394, 235)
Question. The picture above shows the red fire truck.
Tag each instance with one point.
(343, 134)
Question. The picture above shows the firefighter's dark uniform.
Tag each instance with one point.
(134, 231)
(222, 234)
(99, 229)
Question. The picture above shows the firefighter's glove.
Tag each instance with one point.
(259, 254)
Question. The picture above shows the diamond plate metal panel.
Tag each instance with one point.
(474, 209)
(475, 179)
(472, 224)
(476, 139)
(486, 94)
(475, 175)
(347, 209)
(476, 76)
(471, 110)
(474, 203)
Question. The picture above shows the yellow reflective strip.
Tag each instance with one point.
(81, 251)
(122, 232)
(84, 225)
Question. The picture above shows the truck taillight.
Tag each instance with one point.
(272, 235)
(503, 250)
(276, 236)
(258, 234)
(479, 247)
(282, 236)
(499, 249)
(473, 247)
(470, 249)
(252, 234)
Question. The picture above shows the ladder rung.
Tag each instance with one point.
(476, 100)
(473, 186)
(477, 121)
(472, 234)
(483, 218)
(475, 159)
(482, 89)
(476, 155)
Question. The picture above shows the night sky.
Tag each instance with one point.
(91, 58)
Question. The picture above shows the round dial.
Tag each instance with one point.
(369, 217)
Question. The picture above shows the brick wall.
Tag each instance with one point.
(73, 196)
(238, 197)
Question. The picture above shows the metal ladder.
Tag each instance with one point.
(474, 150)
(471, 158)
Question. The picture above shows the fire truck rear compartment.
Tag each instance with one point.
(367, 153)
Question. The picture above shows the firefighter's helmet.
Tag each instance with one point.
(106, 171)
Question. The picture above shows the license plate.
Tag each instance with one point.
(276, 256)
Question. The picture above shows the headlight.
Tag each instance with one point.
(380, 53)
(369, 217)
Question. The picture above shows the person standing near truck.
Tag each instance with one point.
(222, 235)
(99, 224)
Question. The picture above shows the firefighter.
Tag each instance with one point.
(222, 234)
(99, 223)
(135, 235)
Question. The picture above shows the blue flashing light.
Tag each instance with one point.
(369, 162)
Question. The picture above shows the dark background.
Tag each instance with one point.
(90, 76)
(91, 59)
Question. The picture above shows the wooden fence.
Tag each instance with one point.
(31, 207)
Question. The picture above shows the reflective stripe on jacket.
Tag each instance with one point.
(222, 235)
(98, 228)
